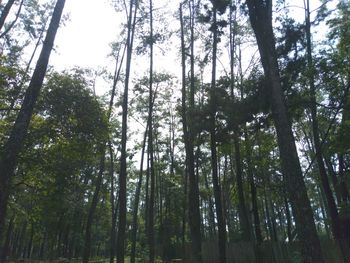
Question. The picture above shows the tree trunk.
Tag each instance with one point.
(5, 247)
(137, 200)
(193, 194)
(216, 183)
(87, 245)
(289, 220)
(112, 199)
(338, 225)
(8, 29)
(5, 12)
(151, 240)
(260, 13)
(123, 172)
(13, 145)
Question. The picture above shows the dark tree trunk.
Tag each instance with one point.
(8, 29)
(151, 240)
(242, 209)
(13, 145)
(253, 192)
(335, 222)
(5, 12)
(193, 195)
(256, 216)
(216, 184)
(123, 157)
(94, 202)
(112, 199)
(110, 109)
(289, 220)
(338, 226)
(343, 189)
(137, 201)
(260, 13)
(6, 246)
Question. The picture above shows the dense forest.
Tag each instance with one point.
(223, 135)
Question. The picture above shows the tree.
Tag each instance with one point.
(260, 13)
(13, 145)
(213, 142)
(5, 12)
(123, 169)
(188, 134)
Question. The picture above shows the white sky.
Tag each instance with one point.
(93, 24)
(85, 39)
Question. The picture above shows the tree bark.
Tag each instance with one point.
(87, 245)
(112, 200)
(8, 29)
(193, 193)
(6, 245)
(123, 171)
(13, 145)
(216, 184)
(260, 13)
(137, 200)
(151, 240)
(5, 12)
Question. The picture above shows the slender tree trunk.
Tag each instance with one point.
(260, 13)
(335, 222)
(5, 12)
(8, 29)
(151, 240)
(289, 220)
(242, 209)
(112, 198)
(13, 145)
(216, 184)
(6, 247)
(137, 200)
(94, 202)
(123, 171)
(24, 75)
(253, 190)
(211, 216)
(324, 211)
(193, 195)
(338, 225)
(343, 189)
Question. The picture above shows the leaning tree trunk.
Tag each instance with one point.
(13, 145)
(5, 12)
(260, 13)
(8, 29)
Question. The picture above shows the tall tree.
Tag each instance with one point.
(338, 226)
(213, 150)
(150, 144)
(260, 13)
(187, 121)
(13, 145)
(123, 172)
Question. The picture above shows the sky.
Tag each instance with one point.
(85, 39)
